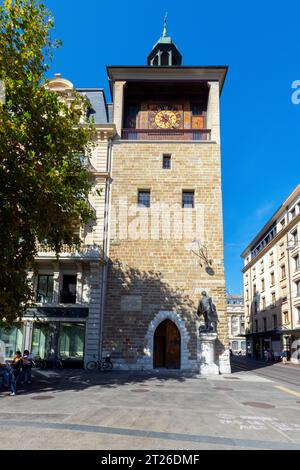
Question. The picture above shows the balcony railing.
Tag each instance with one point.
(166, 134)
(83, 251)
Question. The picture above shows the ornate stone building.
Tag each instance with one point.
(166, 235)
(272, 283)
(236, 324)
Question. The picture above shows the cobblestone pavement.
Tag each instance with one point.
(74, 409)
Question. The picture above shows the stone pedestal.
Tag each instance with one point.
(206, 354)
(224, 363)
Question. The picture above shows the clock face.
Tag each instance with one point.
(166, 117)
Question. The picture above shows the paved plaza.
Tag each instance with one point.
(256, 407)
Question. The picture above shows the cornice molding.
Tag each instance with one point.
(275, 240)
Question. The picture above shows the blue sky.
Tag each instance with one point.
(260, 42)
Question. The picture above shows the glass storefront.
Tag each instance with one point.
(13, 340)
(71, 340)
(65, 340)
(40, 340)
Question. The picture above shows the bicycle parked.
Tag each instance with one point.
(42, 364)
(104, 364)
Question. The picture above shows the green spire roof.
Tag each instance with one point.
(164, 39)
(164, 52)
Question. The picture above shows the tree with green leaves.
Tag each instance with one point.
(43, 184)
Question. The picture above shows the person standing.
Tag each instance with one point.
(26, 366)
(15, 370)
(3, 374)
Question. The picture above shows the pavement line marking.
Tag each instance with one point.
(287, 390)
(127, 432)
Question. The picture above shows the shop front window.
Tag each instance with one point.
(40, 340)
(71, 341)
(13, 340)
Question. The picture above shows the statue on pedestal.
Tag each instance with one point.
(207, 309)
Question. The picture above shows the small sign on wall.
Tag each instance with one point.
(131, 303)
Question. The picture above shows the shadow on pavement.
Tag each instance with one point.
(79, 380)
(245, 363)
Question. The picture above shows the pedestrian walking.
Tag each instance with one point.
(256, 352)
(266, 355)
(15, 370)
(284, 356)
(270, 356)
(26, 367)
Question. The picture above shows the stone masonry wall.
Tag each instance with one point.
(151, 275)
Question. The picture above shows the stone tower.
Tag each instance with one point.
(166, 233)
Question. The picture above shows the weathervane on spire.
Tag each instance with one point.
(165, 34)
(164, 53)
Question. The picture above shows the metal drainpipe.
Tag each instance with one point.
(105, 245)
(251, 309)
(290, 280)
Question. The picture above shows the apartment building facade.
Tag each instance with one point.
(236, 324)
(69, 290)
(272, 283)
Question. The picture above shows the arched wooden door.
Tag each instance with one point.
(166, 346)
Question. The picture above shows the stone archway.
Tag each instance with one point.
(185, 362)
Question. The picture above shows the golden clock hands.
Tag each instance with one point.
(169, 121)
(165, 117)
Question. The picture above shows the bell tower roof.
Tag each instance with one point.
(164, 52)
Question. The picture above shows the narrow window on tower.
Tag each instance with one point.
(144, 198)
(188, 199)
(166, 161)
